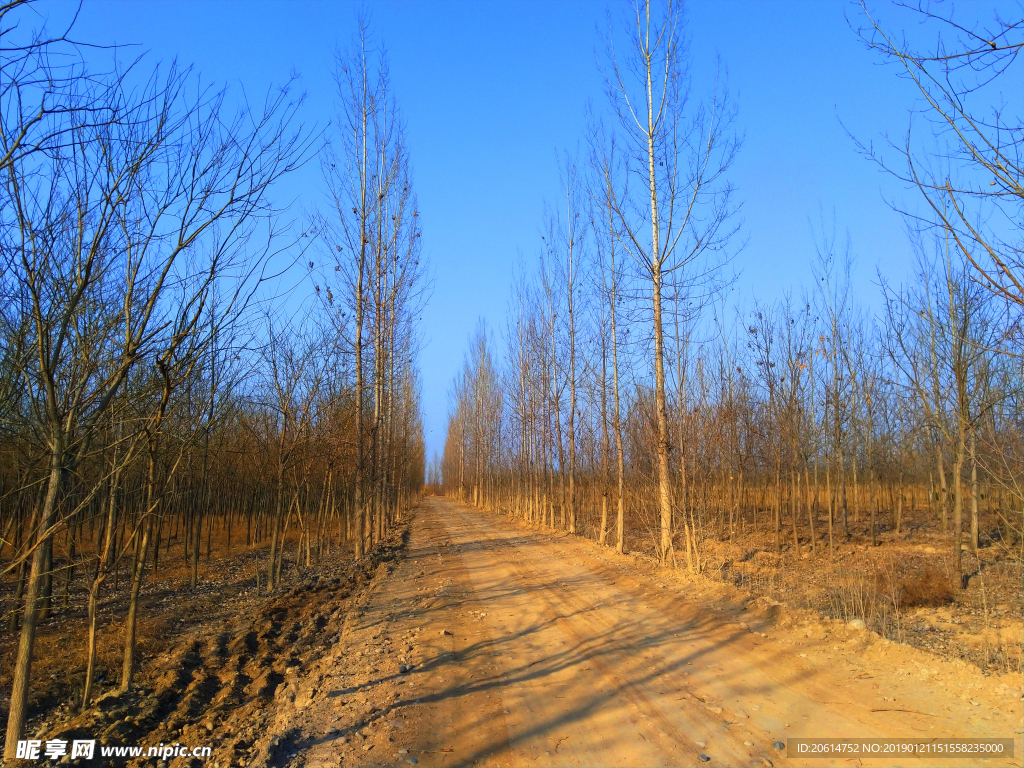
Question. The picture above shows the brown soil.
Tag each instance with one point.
(170, 611)
(225, 659)
(532, 649)
(902, 589)
(470, 639)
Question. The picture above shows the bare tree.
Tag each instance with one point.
(116, 216)
(682, 154)
(968, 170)
(942, 334)
(372, 238)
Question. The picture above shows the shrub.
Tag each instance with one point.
(928, 588)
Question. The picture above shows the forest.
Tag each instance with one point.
(165, 398)
(632, 400)
(213, 434)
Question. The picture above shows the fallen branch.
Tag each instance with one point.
(911, 711)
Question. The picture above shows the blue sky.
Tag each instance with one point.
(493, 92)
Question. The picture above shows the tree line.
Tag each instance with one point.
(632, 403)
(161, 394)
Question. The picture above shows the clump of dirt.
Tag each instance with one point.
(170, 609)
(222, 684)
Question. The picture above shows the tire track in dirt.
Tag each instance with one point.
(668, 723)
(629, 679)
(533, 649)
(798, 690)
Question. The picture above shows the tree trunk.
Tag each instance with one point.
(94, 594)
(958, 510)
(812, 508)
(26, 644)
(974, 495)
(139, 567)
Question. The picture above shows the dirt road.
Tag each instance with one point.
(532, 649)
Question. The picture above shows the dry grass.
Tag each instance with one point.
(902, 589)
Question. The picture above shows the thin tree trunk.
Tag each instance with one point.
(128, 666)
(26, 643)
